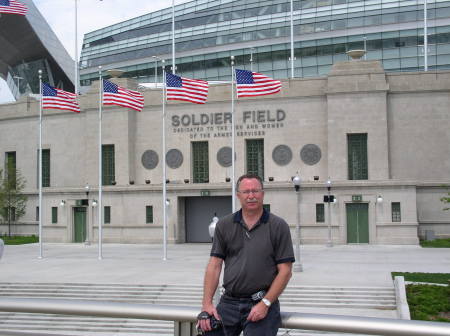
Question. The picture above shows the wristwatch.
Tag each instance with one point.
(266, 302)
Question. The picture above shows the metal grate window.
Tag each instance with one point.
(108, 166)
(320, 213)
(107, 214)
(54, 215)
(396, 212)
(255, 157)
(149, 214)
(357, 156)
(10, 168)
(200, 162)
(46, 167)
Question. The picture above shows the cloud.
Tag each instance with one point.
(92, 15)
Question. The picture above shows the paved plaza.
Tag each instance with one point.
(340, 265)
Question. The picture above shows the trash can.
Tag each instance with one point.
(429, 235)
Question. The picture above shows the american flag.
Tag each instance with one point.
(115, 95)
(53, 98)
(191, 90)
(12, 7)
(250, 84)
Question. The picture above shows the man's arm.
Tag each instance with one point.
(259, 311)
(210, 284)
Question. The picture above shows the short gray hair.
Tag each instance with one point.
(249, 176)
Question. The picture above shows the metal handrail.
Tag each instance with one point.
(322, 322)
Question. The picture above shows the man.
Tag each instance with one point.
(256, 247)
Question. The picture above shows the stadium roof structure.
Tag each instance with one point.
(27, 45)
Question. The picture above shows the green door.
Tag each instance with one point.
(79, 216)
(357, 223)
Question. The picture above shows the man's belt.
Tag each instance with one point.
(254, 297)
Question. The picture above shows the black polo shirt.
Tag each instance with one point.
(251, 256)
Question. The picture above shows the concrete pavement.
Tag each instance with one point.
(341, 265)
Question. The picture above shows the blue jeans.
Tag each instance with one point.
(234, 312)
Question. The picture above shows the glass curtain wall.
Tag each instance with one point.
(326, 30)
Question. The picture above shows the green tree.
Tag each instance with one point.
(446, 200)
(12, 200)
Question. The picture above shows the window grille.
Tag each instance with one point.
(108, 165)
(200, 162)
(357, 156)
(320, 213)
(396, 212)
(255, 157)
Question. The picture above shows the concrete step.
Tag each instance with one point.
(315, 296)
(295, 298)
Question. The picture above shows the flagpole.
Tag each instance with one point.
(233, 184)
(76, 47)
(292, 39)
(425, 36)
(100, 164)
(163, 160)
(40, 166)
(173, 37)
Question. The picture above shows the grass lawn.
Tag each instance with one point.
(436, 243)
(428, 302)
(440, 278)
(19, 240)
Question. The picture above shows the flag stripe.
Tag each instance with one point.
(53, 98)
(186, 89)
(12, 7)
(116, 95)
(251, 84)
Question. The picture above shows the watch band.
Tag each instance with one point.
(266, 302)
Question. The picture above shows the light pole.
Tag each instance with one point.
(365, 47)
(297, 265)
(292, 58)
(251, 58)
(18, 84)
(156, 68)
(425, 36)
(87, 188)
(329, 242)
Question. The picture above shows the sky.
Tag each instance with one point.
(92, 15)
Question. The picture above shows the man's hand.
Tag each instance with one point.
(258, 312)
(211, 282)
(211, 310)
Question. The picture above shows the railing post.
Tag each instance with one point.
(183, 328)
(400, 298)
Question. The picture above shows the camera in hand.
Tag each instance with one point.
(213, 322)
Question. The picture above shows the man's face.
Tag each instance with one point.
(250, 194)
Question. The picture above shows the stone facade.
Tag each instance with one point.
(405, 117)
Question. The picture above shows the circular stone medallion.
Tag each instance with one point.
(282, 155)
(224, 156)
(174, 158)
(310, 154)
(150, 159)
